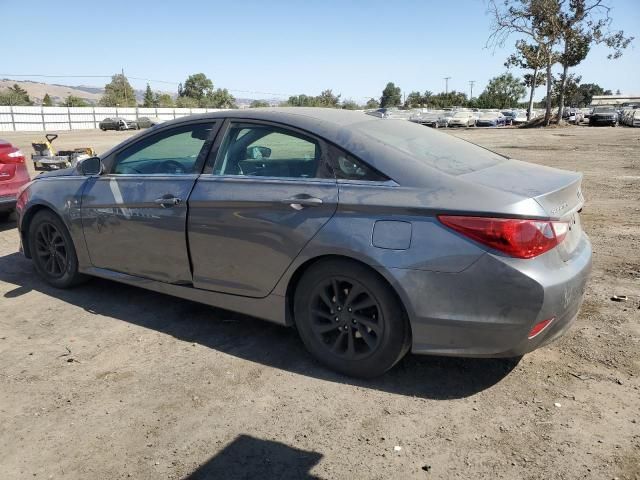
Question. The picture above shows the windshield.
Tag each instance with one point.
(437, 150)
(488, 115)
(460, 115)
(603, 110)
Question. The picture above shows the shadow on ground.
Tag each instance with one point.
(249, 457)
(7, 223)
(252, 339)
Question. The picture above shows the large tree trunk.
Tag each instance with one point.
(547, 113)
(534, 81)
(563, 86)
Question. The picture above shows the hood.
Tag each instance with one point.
(63, 172)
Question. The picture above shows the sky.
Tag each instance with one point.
(260, 48)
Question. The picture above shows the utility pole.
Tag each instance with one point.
(446, 85)
(471, 82)
(124, 87)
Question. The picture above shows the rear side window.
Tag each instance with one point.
(347, 167)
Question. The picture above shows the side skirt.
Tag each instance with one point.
(271, 307)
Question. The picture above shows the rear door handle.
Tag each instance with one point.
(168, 201)
(299, 202)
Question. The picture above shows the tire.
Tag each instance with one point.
(349, 319)
(54, 256)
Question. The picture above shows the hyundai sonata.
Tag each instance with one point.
(372, 236)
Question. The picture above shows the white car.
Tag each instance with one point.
(462, 119)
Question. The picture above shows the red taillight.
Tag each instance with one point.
(11, 155)
(539, 327)
(516, 237)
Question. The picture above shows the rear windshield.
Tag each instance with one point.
(437, 150)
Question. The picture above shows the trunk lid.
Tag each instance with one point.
(557, 191)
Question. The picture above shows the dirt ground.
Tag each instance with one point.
(108, 381)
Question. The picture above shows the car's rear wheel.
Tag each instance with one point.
(52, 250)
(349, 318)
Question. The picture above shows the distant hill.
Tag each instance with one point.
(90, 94)
(58, 93)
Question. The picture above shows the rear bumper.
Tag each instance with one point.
(489, 309)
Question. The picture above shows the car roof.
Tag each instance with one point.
(352, 131)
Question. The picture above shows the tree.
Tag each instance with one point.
(15, 96)
(187, 102)
(197, 87)
(391, 96)
(448, 99)
(372, 103)
(413, 100)
(585, 94)
(501, 92)
(220, 98)
(582, 23)
(46, 101)
(118, 93)
(259, 104)
(73, 101)
(148, 99)
(528, 57)
(327, 99)
(537, 20)
(163, 100)
(350, 105)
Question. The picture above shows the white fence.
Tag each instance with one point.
(39, 119)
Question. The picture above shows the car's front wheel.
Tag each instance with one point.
(52, 250)
(349, 318)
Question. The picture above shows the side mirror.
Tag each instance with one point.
(90, 166)
(257, 152)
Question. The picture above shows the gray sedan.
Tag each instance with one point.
(372, 236)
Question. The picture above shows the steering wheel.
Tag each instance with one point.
(173, 166)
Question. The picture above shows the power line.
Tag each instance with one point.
(149, 80)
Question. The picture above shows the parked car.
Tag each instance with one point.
(573, 115)
(393, 112)
(520, 117)
(431, 119)
(634, 121)
(462, 119)
(372, 236)
(490, 119)
(603, 116)
(13, 176)
(509, 115)
(148, 122)
(117, 123)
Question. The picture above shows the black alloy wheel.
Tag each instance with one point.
(51, 250)
(346, 318)
(350, 318)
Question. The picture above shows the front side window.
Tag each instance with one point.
(267, 151)
(172, 152)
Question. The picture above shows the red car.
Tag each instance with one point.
(13, 175)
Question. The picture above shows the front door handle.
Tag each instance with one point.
(168, 201)
(299, 202)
